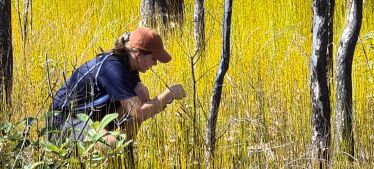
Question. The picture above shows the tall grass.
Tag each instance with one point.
(264, 119)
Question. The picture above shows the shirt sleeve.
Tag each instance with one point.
(118, 82)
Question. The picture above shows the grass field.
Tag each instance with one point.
(265, 114)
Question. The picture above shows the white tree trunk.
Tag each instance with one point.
(344, 113)
(319, 86)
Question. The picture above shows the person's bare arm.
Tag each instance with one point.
(142, 111)
(142, 92)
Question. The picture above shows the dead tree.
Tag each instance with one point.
(199, 27)
(199, 41)
(330, 46)
(218, 83)
(175, 12)
(319, 85)
(147, 14)
(6, 52)
(170, 12)
(344, 114)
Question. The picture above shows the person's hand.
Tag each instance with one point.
(142, 92)
(178, 91)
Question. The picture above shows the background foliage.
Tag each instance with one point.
(265, 116)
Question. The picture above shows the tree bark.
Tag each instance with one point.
(6, 52)
(171, 13)
(330, 46)
(319, 86)
(176, 12)
(344, 114)
(216, 98)
(199, 27)
(163, 11)
(147, 14)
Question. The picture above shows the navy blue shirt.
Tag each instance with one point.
(97, 85)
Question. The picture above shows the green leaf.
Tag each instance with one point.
(98, 135)
(114, 133)
(97, 158)
(49, 147)
(127, 143)
(95, 125)
(89, 148)
(369, 35)
(91, 132)
(107, 119)
(15, 136)
(85, 118)
(5, 127)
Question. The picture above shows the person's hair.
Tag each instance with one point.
(120, 48)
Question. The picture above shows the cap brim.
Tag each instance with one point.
(162, 56)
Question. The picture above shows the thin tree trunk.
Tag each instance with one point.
(163, 11)
(330, 46)
(6, 52)
(344, 114)
(199, 35)
(147, 14)
(319, 86)
(216, 98)
(199, 27)
(171, 13)
(176, 12)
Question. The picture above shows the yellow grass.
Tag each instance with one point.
(265, 116)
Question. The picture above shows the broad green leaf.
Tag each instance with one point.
(107, 119)
(114, 133)
(99, 135)
(91, 132)
(95, 125)
(49, 147)
(85, 118)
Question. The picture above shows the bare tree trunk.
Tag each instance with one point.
(163, 11)
(6, 52)
(330, 46)
(171, 13)
(319, 85)
(176, 12)
(199, 27)
(216, 98)
(199, 41)
(147, 14)
(344, 115)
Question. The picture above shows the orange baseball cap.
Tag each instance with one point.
(150, 41)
